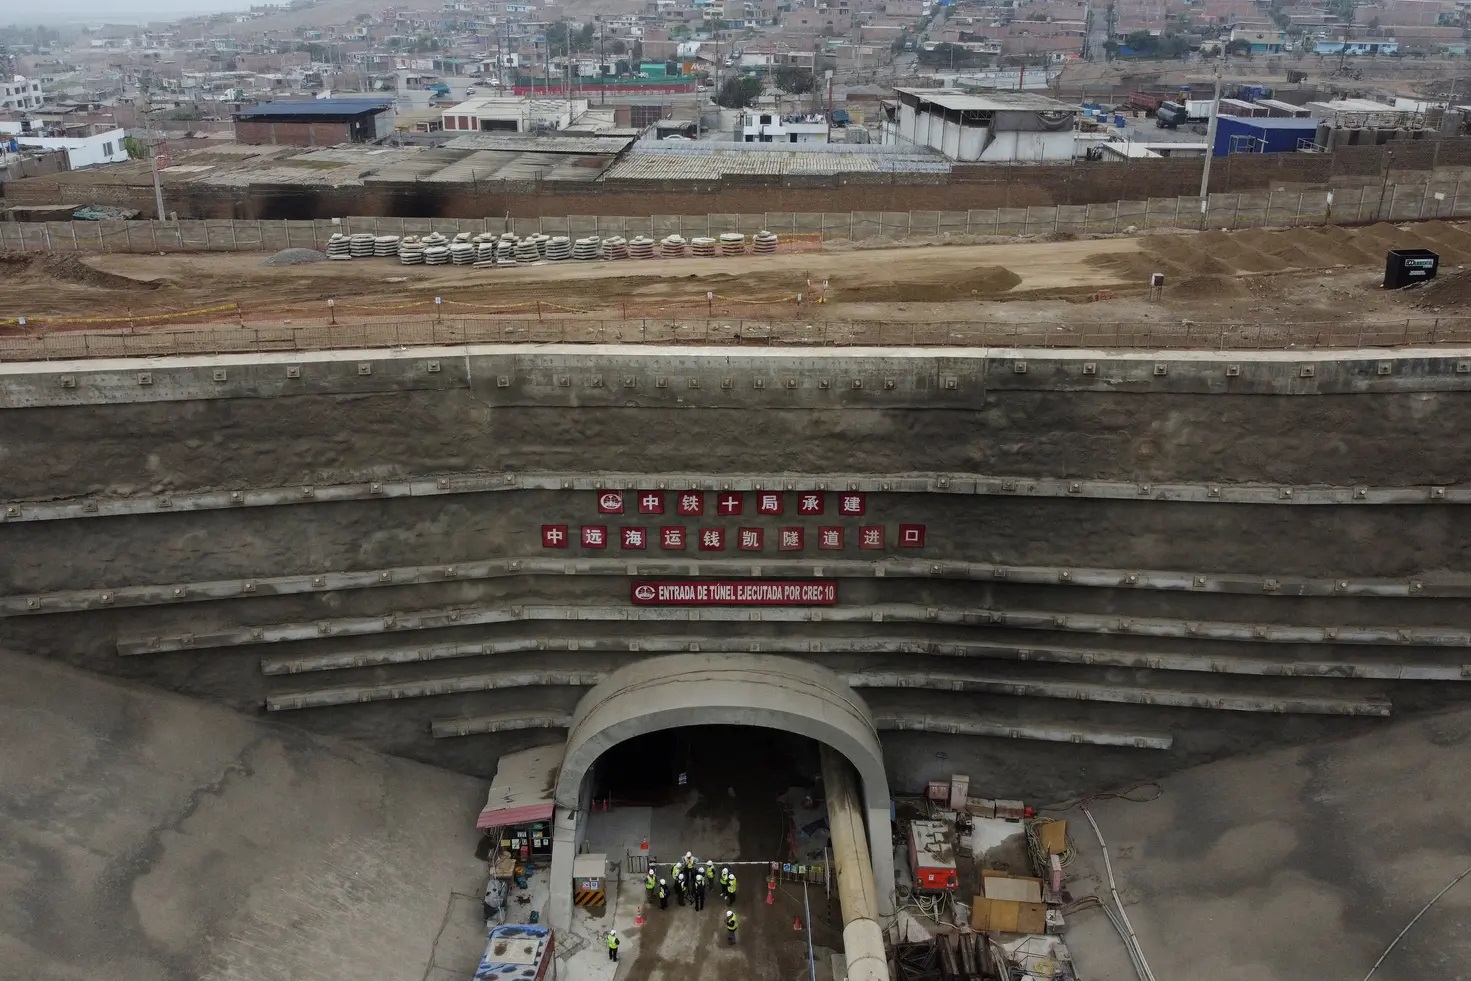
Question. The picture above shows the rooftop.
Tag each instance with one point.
(314, 107)
(695, 161)
(989, 101)
(539, 144)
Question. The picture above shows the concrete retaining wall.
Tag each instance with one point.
(1157, 558)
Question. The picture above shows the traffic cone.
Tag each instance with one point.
(638, 916)
(797, 924)
(770, 890)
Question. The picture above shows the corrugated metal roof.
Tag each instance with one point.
(314, 107)
(990, 101)
(540, 144)
(708, 161)
(522, 789)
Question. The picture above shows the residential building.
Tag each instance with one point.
(769, 127)
(81, 150)
(512, 114)
(314, 122)
(993, 127)
(20, 94)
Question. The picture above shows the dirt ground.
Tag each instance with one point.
(1323, 274)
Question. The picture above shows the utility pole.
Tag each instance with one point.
(602, 64)
(1210, 144)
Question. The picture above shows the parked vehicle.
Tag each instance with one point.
(1170, 115)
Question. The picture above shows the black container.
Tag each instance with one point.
(1406, 267)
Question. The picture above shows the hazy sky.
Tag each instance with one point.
(124, 11)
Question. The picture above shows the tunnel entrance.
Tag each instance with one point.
(688, 707)
(725, 792)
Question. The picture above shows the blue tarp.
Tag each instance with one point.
(517, 953)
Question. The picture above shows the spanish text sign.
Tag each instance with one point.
(737, 592)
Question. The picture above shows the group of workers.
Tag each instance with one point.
(691, 881)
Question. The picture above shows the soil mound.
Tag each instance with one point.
(1449, 291)
(982, 281)
(43, 268)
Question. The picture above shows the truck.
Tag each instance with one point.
(1170, 115)
(438, 89)
(1148, 101)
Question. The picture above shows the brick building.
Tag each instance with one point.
(314, 122)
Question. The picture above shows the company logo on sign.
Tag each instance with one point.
(610, 502)
(645, 593)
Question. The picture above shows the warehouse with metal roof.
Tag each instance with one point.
(315, 122)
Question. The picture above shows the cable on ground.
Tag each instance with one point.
(1423, 910)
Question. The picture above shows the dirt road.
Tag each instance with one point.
(1326, 273)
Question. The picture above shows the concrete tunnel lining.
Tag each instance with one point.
(720, 689)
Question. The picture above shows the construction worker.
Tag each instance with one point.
(730, 925)
(663, 893)
(710, 874)
(724, 878)
(689, 866)
(651, 882)
(613, 946)
(730, 890)
(679, 887)
(699, 892)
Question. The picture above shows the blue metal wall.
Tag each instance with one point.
(1273, 137)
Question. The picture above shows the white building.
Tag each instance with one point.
(769, 127)
(81, 151)
(20, 93)
(512, 114)
(990, 127)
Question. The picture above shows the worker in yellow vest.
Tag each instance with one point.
(730, 926)
(730, 889)
(663, 893)
(613, 946)
(651, 882)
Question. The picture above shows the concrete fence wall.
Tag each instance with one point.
(1441, 198)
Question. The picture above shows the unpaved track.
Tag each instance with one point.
(1320, 273)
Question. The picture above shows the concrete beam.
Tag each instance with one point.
(1075, 733)
(1103, 657)
(1078, 733)
(71, 601)
(502, 722)
(919, 679)
(1219, 492)
(557, 375)
(1122, 694)
(358, 694)
(877, 613)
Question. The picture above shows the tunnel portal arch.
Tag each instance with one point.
(678, 690)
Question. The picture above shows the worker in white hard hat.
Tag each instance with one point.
(613, 946)
(699, 891)
(680, 887)
(663, 893)
(730, 925)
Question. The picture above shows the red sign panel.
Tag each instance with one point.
(737, 592)
(809, 502)
(691, 503)
(610, 502)
(851, 505)
(768, 502)
(651, 502)
(728, 503)
(671, 538)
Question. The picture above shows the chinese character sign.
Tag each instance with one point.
(732, 504)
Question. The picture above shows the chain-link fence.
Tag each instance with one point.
(1443, 198)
